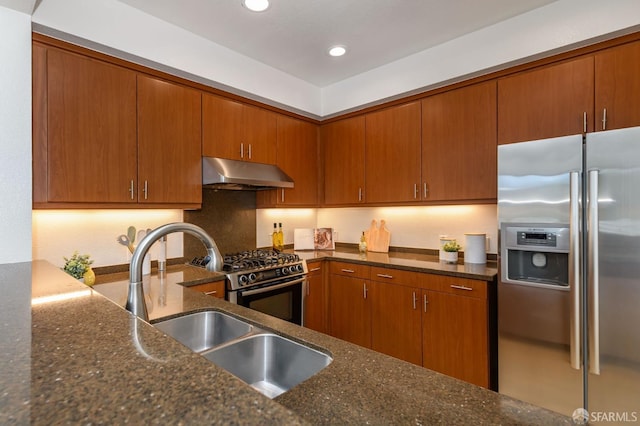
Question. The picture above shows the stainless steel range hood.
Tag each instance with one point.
(221, 173)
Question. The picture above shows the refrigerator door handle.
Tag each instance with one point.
(574, 270)
(593, 258)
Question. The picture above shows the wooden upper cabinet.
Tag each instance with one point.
(459, 144)
(237, 131)
(392, 159)
(91, 128)
(222, 122)
(260, 135)
(617, 74)
(546, 102)
(39, 123)
(169, 142)
(298, 157)
(343, 145)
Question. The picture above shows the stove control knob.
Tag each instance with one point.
(292, 269)
(285, 271)
(243, 279)
(252, 277)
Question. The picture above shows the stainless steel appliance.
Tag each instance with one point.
(268, 281)
(569, 288)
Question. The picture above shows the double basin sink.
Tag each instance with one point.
(270, 363)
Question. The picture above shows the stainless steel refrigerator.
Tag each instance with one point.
(569, 287)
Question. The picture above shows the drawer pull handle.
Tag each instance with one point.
(209, 293)
(314, 269)
(461, 287)
(385, 276)
(349, 271)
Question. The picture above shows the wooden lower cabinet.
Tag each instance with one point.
(349, 305)
(315, 310)
(436, 321)
(215, 289)
(454, 337)
(396, 321)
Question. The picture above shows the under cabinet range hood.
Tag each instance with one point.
(222, 173)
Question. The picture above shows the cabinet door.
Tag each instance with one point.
(343, 146)
(214, 289)
(455, 336)
(298, 157)
(315, 306)
(459, 144)
(618, 87)
(91, 130)
(350, 310)
(392, 160)
(222, 127)
(169, 142)
(396, 327)
(546, 102)
(260, 130)
(39, 123)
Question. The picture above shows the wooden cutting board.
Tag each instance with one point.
(378, 238)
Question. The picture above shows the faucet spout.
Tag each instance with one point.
(135, 298)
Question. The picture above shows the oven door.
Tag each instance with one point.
(284, 300)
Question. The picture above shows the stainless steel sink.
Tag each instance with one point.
(269, 363)
(201, 331)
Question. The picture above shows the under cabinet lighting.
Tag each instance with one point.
(256, 5)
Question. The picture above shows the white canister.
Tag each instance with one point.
(475, 248)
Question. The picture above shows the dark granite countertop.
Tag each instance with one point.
(410, 261)
(70, 355)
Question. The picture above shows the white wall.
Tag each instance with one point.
(414, 227)
(15, 136)
(58, 233)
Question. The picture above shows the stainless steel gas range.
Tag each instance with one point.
(268, 281)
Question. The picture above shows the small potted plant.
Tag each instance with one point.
(79, 267)
(451, 251)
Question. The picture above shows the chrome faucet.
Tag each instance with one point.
(135, 298)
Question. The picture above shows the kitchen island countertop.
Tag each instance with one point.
(70, 355)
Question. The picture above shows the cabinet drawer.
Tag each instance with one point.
(453, 285)
(395, 276)
(315, 268)
(350, 269)
(215, 289)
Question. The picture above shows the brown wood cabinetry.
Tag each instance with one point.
(350, 308)
(90, 120)
(455, 328)
(396, 326)
(105, 136)
(459, 144)
(546, 102)
(237, 131)
(315, 316)
(169, 143)
(297, 152)
(437, 321)
(392, 154)
(617, 87)
(215, 289)
(343, 145)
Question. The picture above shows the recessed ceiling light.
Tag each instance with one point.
(256, 5)
(337, 50)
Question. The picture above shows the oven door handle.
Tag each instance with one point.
(272, 287)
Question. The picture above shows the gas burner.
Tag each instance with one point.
(256, 259)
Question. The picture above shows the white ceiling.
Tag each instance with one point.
(294, 35)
